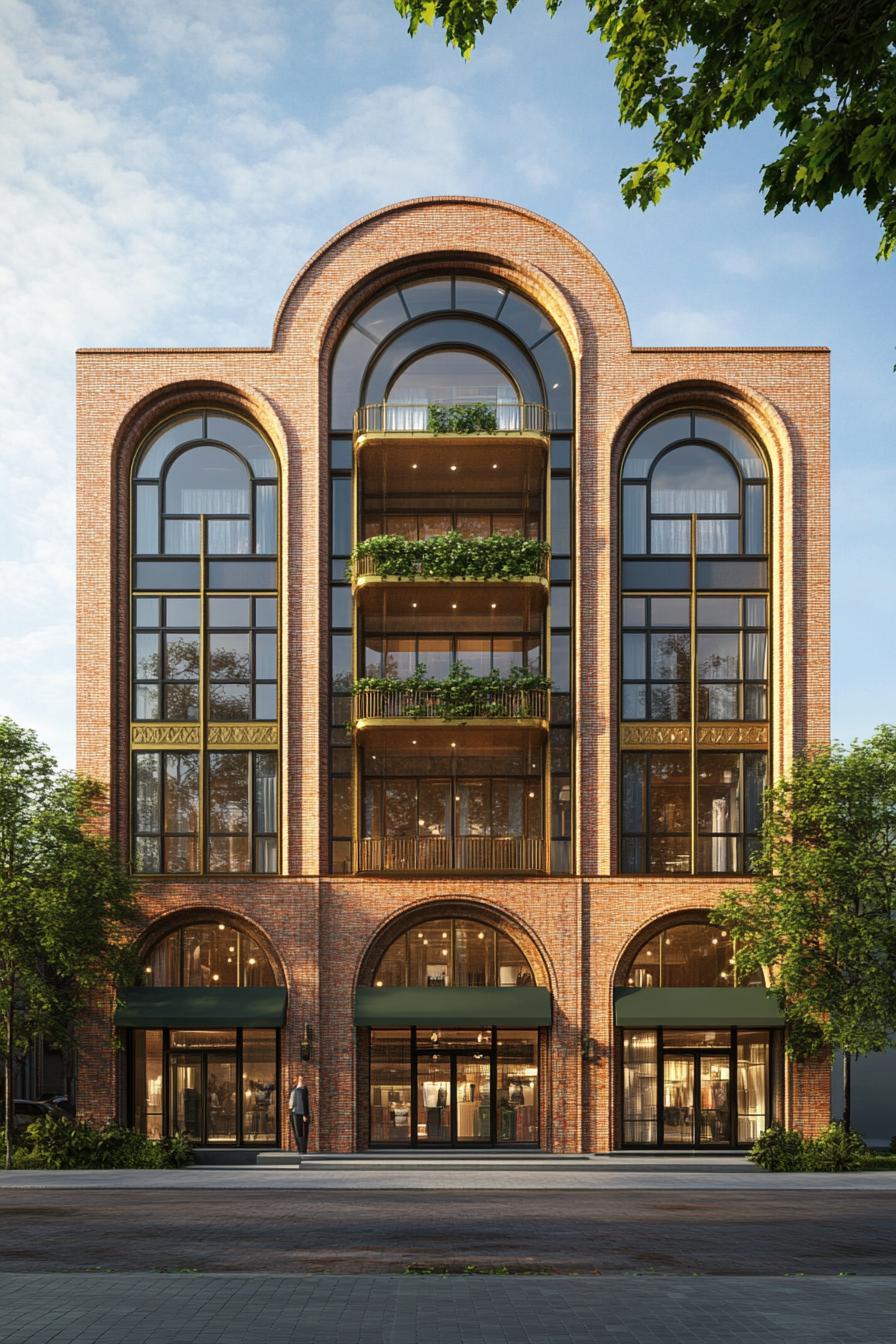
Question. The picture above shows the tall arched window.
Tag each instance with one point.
(204, 648)
(694, 685)
(208, 955)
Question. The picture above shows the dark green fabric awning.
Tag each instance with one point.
(201, 1008)
(749, 1006)
(520, 1006)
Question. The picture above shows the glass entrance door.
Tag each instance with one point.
(678, 1100)
(473, 1099)
(696, 1100)
(715, 1100)
(202, 1096)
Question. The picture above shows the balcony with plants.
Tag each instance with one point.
(519, 697)
(459, 418)
(500, 556)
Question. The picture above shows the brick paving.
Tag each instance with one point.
(381, 1309)
(300, 1231)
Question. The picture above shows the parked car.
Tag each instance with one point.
(26, 1112)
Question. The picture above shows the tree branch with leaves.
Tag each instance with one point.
(826, 71)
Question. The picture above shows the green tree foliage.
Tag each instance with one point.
(826, 69)
(65, 900)
(821, 913)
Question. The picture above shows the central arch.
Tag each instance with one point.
(453, 1014)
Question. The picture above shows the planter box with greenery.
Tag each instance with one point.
(519, 695)
(476, 417)
(452, 556)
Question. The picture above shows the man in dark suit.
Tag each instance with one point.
(300, 1115)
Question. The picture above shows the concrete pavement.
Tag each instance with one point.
(377, 1309)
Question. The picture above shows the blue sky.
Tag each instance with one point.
(166, 168)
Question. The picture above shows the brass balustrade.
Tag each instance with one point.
(446, 853)
(412, 418)
(422, 704)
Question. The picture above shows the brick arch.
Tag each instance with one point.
(738, 403)
(456, 908)
(439, 227)
(169, 399)
(206, 913)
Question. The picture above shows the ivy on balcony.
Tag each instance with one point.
(452, 556)
(461, 695)
(475, 417)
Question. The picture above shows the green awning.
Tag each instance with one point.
(201, 1008)
(519, 1006)
(749, 1006)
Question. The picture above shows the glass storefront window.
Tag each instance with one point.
(695, 1088)
(453, 1085)
(148, 1083)
(189, 1082)
(390, 1087)
(259, 1086)
(517, 1086)
(752, 1085)
(639, 1062)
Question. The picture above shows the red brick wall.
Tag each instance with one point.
(319, 926)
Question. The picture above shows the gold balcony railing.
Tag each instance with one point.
(421, 704)
(366, 566)
(443, 853)
(415, 418)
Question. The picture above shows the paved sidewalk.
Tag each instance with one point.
(450, 1176)
(377, 1309)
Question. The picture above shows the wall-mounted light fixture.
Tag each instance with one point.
(306, 1043)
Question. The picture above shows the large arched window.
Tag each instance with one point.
(446, 952)
(208, 955)
(694, 683)
(684, 956)
(204, 648)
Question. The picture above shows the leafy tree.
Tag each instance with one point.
(822, 910)
(65, 900)
(825, 68)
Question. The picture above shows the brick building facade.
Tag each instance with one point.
(568, 834)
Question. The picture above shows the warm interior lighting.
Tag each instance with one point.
(216, 977)
(251, 961)
(480, 935)
(222, 926)
(453, 467)
(148, 970)
(379, 984)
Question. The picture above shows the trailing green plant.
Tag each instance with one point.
(454, 556)
(474, 417)
(461, 695)
(52, 1143)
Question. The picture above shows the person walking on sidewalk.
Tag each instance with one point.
(300, 1115)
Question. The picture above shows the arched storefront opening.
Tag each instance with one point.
(455, 1023)
(700, 1048)
(203, 1030)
